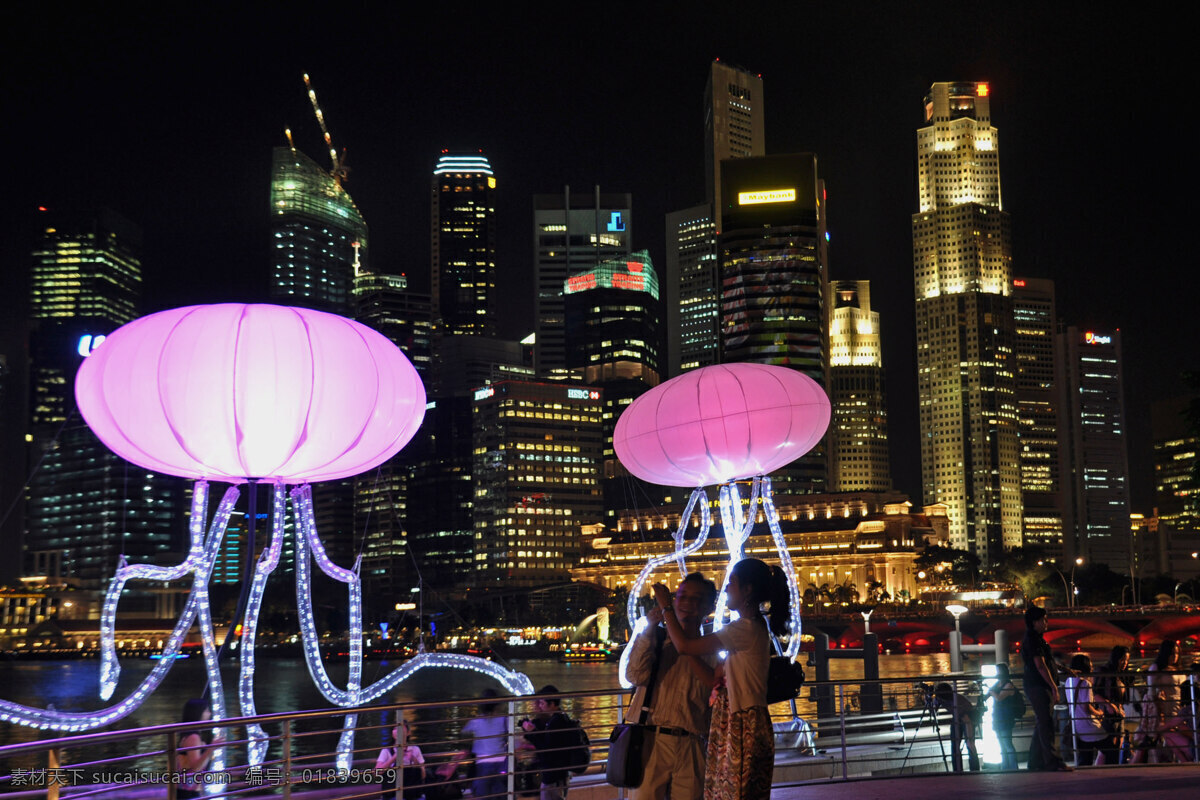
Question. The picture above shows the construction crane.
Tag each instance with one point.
(339, 171)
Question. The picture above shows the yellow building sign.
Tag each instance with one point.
(767, 196)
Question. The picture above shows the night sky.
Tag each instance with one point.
(169, 117)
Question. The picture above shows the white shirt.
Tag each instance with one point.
(1087, 725)
(1168, 688)
(746, 667)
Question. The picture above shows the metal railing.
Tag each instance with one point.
(911, 725)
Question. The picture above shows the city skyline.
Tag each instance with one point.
(154, 111)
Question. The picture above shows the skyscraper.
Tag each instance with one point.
(463, 268)
(1176, 459)
(733, 128)
(1040, 414)
(733, 123)
(772, 279)
(571, 233)
(693, 305)
(1096, 522)
(537, 446)
(962, 256)
(86, 506)
(858, 434)
(613, 336)
(319, 244)
(319, 238)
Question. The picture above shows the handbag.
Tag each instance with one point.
(784, 679)
(630, 742)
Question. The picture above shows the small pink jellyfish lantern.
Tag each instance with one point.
(722, 424)
(230, 392)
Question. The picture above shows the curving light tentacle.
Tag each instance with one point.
(256, 747)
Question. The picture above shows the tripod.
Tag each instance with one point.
(929, 709)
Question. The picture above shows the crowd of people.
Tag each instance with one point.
(707, 728)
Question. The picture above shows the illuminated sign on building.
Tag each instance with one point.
(484, 393)
(981, 89)
(1018, 282)
(88, 343)
(1096, 338)
(616, 222)
(766, 196)
(583, 394)
(635, 273)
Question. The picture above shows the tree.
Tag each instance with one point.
(955, 566)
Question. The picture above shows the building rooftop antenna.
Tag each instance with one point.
(339, 169)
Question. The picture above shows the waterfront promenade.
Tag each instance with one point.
(1149, 782)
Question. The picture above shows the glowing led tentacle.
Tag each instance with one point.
(256, 747)
(699, 496)
(737, 530)
(632, 610)
(110, 668)
(311, 644)
(514, 682)
(785, 561)
(48, 719)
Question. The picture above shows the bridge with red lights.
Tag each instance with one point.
(905, 630)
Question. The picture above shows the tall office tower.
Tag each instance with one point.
(1176, 463)
(614, 329)
(319, 243)
(571, 233)
(690, 283)
(385, 303)
(1096, 518)
(966, 386)
(1040, 415)
(318, 236)
(85, 503)
(381, 496)
(858, 434)
(463, 267)
(733, 124)
(537, 446)
(772, 276)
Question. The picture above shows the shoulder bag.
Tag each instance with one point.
(629, 743)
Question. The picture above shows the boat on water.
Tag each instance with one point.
(590, 651)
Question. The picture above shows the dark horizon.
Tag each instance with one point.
(169, 118)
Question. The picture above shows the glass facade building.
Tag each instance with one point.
(463, 267)
(319, 238)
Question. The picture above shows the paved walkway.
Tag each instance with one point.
(1150, 782)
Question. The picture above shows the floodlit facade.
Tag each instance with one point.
(858, 433)
(1040, 413)
(571, 233)
(859, 540)
(536, 451)
(463, 267)
(318, 236)
(1096, 519)
(966, 384)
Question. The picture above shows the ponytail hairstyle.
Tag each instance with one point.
(766, 585)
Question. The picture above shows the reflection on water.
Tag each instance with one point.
(285, 685)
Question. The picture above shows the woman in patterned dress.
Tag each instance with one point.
(741, 745)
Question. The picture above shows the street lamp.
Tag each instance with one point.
(957, 610)
(1074, 591)
(1066, 589)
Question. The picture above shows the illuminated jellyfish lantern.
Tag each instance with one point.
(239, 393)
(718, 425)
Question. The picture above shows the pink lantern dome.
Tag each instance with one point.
(233, 391)
(721, 423)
